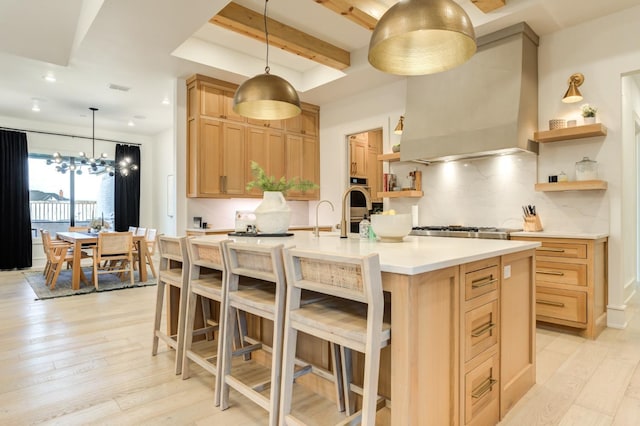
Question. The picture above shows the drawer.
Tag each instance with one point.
(561, 304)
(481, 329)
(481, 281)
(561, 273)
(481, 391)
(562, 250)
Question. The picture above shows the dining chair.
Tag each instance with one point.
(57, 254)
(150, 238)
(114, 248)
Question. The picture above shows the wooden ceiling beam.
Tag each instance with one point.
(488, 5)
(365, 13)
(247, 22)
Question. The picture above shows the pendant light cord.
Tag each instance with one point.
(266, 36)
(93, 137)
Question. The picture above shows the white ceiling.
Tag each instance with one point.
(146, 44)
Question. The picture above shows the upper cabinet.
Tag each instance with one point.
(358, 153)
(221, 144)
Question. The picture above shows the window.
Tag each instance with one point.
(59, 200)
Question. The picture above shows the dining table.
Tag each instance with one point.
(82, 240)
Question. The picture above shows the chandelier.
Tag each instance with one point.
(94, 165)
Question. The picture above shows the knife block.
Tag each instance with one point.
(532, 224)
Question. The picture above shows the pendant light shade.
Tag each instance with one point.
(573, 94)
(416, 37)
(266, 96)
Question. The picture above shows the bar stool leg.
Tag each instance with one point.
(158, 317)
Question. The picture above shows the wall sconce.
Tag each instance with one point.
(573, 94)
(400, 126)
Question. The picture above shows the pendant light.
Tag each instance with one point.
(416, 37)
(573, 94)
(266, 96)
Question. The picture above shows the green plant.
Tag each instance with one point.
(270, 183)
(588, 110)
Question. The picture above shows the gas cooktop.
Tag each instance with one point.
(464, 232)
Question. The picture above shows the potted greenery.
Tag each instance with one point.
(589, 113)
(273, 214)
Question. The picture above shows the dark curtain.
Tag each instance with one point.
(15, 218)
(127, 190)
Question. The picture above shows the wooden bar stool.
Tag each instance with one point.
(352, 318)
(173, 270)
(262, 263)
(206, 279)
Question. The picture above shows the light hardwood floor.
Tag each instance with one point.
(87, 360)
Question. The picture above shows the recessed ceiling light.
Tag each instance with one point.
(131, 123)
(49, 77)
(166, 101)
(35, 107)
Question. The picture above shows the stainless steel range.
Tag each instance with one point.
(464, 232)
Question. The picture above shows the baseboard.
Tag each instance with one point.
(617, 316)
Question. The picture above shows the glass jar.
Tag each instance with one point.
(586, 169)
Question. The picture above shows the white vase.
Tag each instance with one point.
(273, 214)
(589, 120)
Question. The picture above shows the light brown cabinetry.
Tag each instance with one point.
(374, 167)
(571, 283)
(358, 154)
(480, 360)
(302, 155)
(221, 144)
(266, 146)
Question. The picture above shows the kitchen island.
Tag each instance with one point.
(463, 324)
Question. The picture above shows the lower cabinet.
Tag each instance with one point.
(497, 356)
(571, 284)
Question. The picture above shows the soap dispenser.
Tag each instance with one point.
(363, 228)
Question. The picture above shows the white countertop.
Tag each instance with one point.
(212, 230)
(413, 256)
(558, 234)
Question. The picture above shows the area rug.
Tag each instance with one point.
(107, 282)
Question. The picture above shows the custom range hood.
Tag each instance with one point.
(486, 106)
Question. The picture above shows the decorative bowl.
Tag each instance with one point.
(391, 228)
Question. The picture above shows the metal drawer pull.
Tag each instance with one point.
(485, 328)
(484, 388)
(554, 249)
(484, 281)
(550, 303)
(561, 274)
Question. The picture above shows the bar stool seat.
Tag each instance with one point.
(352, 317)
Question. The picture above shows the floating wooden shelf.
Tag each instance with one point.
(577, 132)
(401, 194)
(392, 156)
(579, 185)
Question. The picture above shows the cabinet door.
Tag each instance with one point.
(192, 158)
(358, 151)
(209, 171)
(272, 124)
(302, 162)
(265, 147)
(306, 123)
(228, 111)
(374, 174)
(233, 157)
(211, 101)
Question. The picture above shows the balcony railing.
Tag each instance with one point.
(60, 211)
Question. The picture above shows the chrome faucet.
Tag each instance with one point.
(343, 221)
(316, 230)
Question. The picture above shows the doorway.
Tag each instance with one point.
(365, 170)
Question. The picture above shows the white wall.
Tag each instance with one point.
(490, 191)
(612, 51)
(48, 144)
(163, 167)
